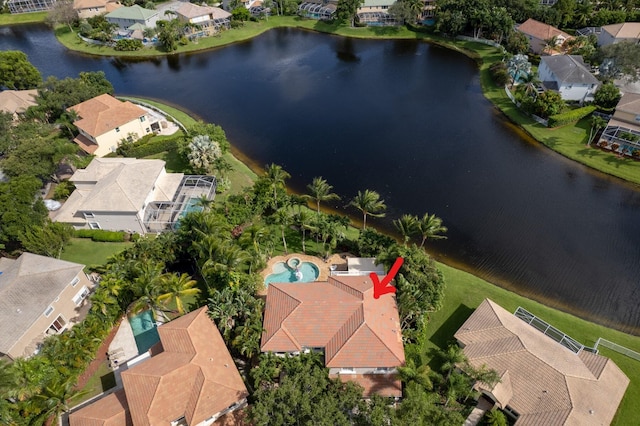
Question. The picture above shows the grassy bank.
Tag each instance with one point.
(464, 292)
(22, 18)
(87, 252)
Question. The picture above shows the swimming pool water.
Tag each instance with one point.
(283, 274)
(144, 331)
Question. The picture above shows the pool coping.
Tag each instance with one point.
(340, 260)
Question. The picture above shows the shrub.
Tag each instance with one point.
(63, 190)
(101, 235)
(128, 45)
(607, 96)
(499, 73)
(148, 146)
(571, 116)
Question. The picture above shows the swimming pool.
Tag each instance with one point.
(284, 274)
(144, 331)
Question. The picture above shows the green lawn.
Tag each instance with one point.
(87, 252)
(22, 18)
(464, 292)
(101, 381)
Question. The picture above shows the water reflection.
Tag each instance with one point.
(408, 120)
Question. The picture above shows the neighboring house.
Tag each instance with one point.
(25, 6)
(318, 9)
(376, 13)
(124, 17)
(537, 33)
(623, 130)
(191, 381)
(90, 8)
(16, 102)
(568, 75)
(616, 33)
(105, 121)
(360, 336)
(39, 296)
(131, 195)
(209, 19)
(542, 381)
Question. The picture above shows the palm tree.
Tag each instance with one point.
(451, 358)
(302, 220)
(276, 176)
(420, 375)
(320, 191)
(407, 225)
(55, 397)
(204, 202)
(550, 44)
(370, 204)
(102, 302)
(177, 287)
(147, 288)
(283, 219)
(597, 123)
(430, 227)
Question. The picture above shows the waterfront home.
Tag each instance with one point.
(104, 122)
(622, 133)
(208, 19)
(539, 34)
(569, 76)
(90, 8)
(542, 382)
(124, 17)
(318, 9)
(617, 33)
(39, 296)
(26, 6)
(376, 13)
(188, 379)
(16, 102)
(360, 336)
(127, 194)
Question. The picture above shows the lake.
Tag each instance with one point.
(406, 119)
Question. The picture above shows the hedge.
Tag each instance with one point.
(571, 116)
(143, 148)
(101, 235)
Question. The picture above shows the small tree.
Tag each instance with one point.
(202, 153)
(16, 72)
(607, 95)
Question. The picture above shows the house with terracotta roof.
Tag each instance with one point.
(209, 19)
(39, 296)
(617, 33)
(104, 121)
(128, 194)
(360, 336)
(90, 8)
(537, 32)
(189, 380)
(16, 102)
(622, 133)
(569, 76)
(542, 382)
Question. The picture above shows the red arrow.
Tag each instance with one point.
(383, 287)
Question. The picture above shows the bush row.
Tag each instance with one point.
(101, 235)
(145, 147)
(571, 116)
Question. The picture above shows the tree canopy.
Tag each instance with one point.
(16, 72)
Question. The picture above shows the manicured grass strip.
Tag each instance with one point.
(180, 115)
(464, 292)
(22, 18)
(87, 252)
(101, 381)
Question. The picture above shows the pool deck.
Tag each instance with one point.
(340, 260)
(123, 347)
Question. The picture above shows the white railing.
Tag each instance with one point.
(617, 348)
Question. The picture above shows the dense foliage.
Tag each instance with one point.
(16, 72)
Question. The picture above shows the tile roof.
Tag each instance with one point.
(630, 103)
(104, 113)
(569, 69)
(135, 12)
(339, 315)
(540, 30)
(623, 30)
(28, 285)
(17, 101)
(111, 410)
(548, 383)
(86, 4)
(190, 11)
(194, 376)
(122, 184)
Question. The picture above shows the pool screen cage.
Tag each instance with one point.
(25, 6)
(160, 216)
(316, 10)
(378, 19)
(621, 139)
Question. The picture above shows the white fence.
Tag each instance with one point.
(480, 40)
(175, 120)
(617, 348)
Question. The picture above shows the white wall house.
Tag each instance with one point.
(617, 33)
(568, 75)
